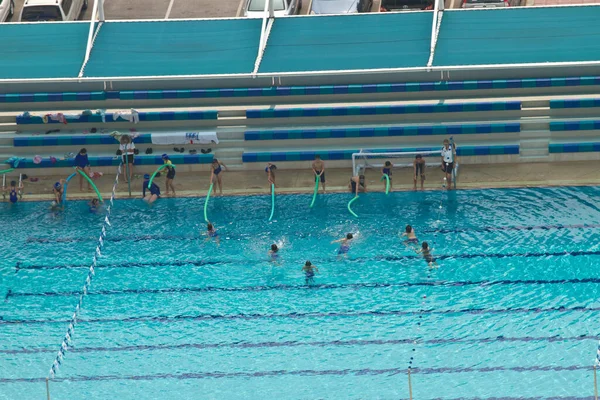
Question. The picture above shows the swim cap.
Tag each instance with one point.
(57, 185)
(165, 156)
(146, 176)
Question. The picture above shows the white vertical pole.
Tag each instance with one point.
(437, 16)
(47, 389)
(88, 48)
(101, 11)
(271, 9)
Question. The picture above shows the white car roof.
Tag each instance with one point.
(41, 3)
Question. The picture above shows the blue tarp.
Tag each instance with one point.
(518, 35)
(361, 41)
(44, 50)
(299, 44)
(150, 48)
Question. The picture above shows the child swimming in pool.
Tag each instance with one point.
(273, 253)
(309, 272)
(211, 232)
(93, 205)
(426, 251)
(344, 244)
(411, 236)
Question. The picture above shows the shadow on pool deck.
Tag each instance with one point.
(195, 184)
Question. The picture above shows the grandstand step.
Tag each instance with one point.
(534, 134)
(534, 152)
(534, 158)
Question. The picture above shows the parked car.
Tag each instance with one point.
(341, 6)
(7, 9)
(400, 5)
(52, 10)
(485, 3)
(256, 8)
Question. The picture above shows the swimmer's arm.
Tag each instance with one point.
(225, 166)
(338, 241)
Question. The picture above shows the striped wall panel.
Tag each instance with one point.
(347, 154)
(414, 130)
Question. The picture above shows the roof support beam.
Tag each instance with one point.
(267, 24)
(438, 13)
(91, 36)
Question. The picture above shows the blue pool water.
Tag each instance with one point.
(510, 313)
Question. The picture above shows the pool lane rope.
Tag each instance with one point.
(87, 178)
(387, 183)
(68, 339)
(312, 203)
(272, 201)
(206, 202)
(157, 171)
(350, 204)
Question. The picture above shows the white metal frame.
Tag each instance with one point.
(265, 31)
(362, 155)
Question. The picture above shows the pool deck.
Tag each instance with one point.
(576, 173)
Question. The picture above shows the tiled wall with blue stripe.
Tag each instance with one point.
(347, 154)
(555, 148)
(414, 130)
(575, 126)
(575, 103)
(301, 90)
(115, 161)
(75, 140)
(144, 117)
(382, 110)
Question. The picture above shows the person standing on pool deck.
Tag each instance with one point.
(127, 149)
(270, 170)
(309, 272)
(411, 237)
(170, 174)
(387, 170)
(419, 170)
(448, 160)
(154, 191)
(13, 191)
(357, 183)
(83, 164)
(215, 173)
(211, 232)
(345, 244)
(318, 167)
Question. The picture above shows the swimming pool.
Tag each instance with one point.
(510, 313)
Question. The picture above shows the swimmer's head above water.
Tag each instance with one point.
(274, 248)
(57, 186)
(349, 236)
(425, 246)
(209, 227)
(408, 229)
(146, 177)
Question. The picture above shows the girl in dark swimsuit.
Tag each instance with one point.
(419, 170)
(215, 176)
